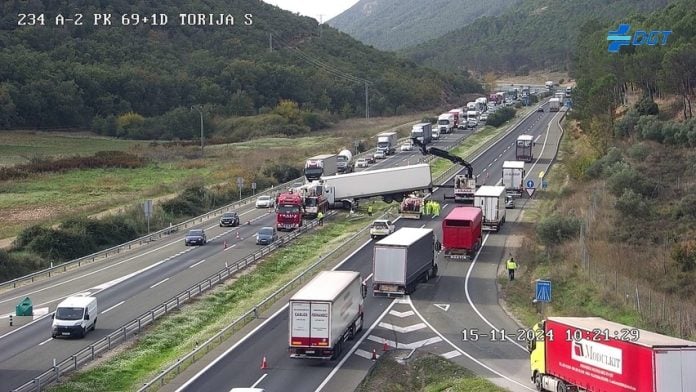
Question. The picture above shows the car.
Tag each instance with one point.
(382, 228)
(370, 159)
(266, 235)
(229, 219)
(472, 123)
(265, 202)
(540, 109)
(379, 154)
(195, 237)
(435, 134)
(483, 117)
(408, 146)
(509, 202)
(361, 162)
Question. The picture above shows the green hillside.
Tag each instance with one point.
(140, 81)
(397, 24)
(533, 34)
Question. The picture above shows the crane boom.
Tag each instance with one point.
(445, 155)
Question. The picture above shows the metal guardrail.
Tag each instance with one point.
(136, 325)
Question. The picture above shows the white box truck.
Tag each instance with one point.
(403, 259)
(554, 104)
(343, 191)
(513, 176)
(491, 201)
(445, 123)
(320, 165)
(423, 132)
(325, 313)
(386, 141)
(464, 188)
(75, 316)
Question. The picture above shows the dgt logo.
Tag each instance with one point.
(619, 38)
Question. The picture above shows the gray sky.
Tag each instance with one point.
(313, 8)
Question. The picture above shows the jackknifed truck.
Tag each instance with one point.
(325, 313)
(491, 201)
(593, 354)
(403, 259)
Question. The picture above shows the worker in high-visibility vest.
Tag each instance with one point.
(436, 207)
(511, 265)
(320, 216)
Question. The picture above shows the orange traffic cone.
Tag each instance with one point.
(374, 354)
(264, 363)
(238, 237)
(225, 244)
(385, 346)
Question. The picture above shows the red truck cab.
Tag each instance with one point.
(289, 211)
(461, 231)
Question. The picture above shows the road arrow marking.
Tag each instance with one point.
(398, 329)
(401, 314)
(444, 307)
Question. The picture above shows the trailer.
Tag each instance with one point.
(459, 118)
(403, 259)
(491, 201)
(554, 104)
(513, 177)
(320, 165)
(524, 147)
(392, 184)
(462, 231)
(593, 354)
(464, 188)
(325, 313)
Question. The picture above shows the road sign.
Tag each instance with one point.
(147, 207)
(543, 290)
(253, 186)
(530, 191)
(530, 183)
(240, 182)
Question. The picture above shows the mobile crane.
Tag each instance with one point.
(464, 184)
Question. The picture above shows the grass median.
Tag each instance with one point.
(177, 334)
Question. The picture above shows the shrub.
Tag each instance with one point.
(647, 107)
(282, 172)
(500, 116)
(626, 125)
(684, 255)
(602, 166)
(639, 152)
(630, 203)
(686, 208)
(628, 178)
(555, 229)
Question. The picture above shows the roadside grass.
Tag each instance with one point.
(177, 334)
(423, 372)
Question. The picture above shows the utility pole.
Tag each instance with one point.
(367, 102)
(201, 113)
(270, 42)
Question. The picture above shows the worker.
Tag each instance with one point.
(320, 216)
(436, 206)
(369, 210)
(428, 206)
(511, 267)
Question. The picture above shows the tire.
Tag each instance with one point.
(561, 387)
(53, 335)
(435, 269)
(82, 333)
(537, 382)
(94, 325)
(426, 276)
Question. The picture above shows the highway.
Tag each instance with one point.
(463, 297)
(129, 284)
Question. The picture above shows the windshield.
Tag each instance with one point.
(264, 198)
(341, 159)
(379, 225)
(195, 233)
(310, 202)
(314, 170)
(443, 122)
(228, 215)
(288, 208)
(266, 231)
(69, 313)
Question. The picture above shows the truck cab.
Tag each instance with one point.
(289, 211)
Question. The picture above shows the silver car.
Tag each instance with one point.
(265, 202)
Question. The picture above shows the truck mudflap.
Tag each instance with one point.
(492, 226)
(388, 290)
(311, 352)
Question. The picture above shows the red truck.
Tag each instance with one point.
(461, 231)
(593, 354)
(289, 211)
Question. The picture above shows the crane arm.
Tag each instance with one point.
(445, 155)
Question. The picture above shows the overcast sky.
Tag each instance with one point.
(314, 8)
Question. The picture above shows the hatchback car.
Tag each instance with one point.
(266, 235)
(382, 228)
(408, 146)
(264, 202)
(362, 162)
(379, 154)
(229, 219)
(195, 237)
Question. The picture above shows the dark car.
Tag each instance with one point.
(370, 158)
(195, 237)
(229, 219)
(541, 109)
(266, 235)
(509, 202)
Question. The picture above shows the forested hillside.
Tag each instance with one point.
(533, 34)
(141, 81)
(398, 24)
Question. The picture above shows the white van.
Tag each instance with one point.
(74, 316)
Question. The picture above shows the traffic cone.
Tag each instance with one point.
(264, 363)
(385, 346)
(225, 244)
(237, 236)
(374, 354)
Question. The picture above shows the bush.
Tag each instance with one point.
(282, 172)
(684, 255)
(101, 159)
(16, 264)
(630, 203)
(555, 229)
(639, 151)
(628, 178)
(602, 166)
(647, 107)
(686, 208)
(500, 116)
(626, 125)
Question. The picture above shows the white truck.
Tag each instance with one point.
(471, 106)
(344, 161)
(513, 177)
(549, 85)
(402, 260)
(423, 132)
(386, 141)
(472, 118)
(325, 313)
(459, 117)
(320, 165)
(491, 200)
(445, 123)
(561, 97)
(74, 316)
(464, 188)
(343, 191)
(482, 104)
(554, 104)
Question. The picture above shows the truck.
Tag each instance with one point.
(464, 188)
(462, 231)
(472, 118)
(459, 117)
(412, 207)
(74, 316)
(523, 148)
(554, 104)
(326, 313)
(386, 141)
(320, 165)
(491, 201)
(344, 191)
(513, 177)
(403, 259)
(549, 85)
(464, 184)
(313, 200)
(561, 97)
(289, 211)
(593, 354)
(495, 98)
(423, 132)
(344, 161)
(482, 104)
(445, 123)
(471, 106)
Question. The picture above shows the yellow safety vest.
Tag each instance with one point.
(511, 265)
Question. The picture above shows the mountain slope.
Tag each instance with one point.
(397, 24)
(534, 34)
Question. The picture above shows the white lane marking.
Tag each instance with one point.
(111, 308)
(401, 314)
(464, 352)
(259, 380)
(451, 354)
(200, 262)
(365, 354)
(443, 207)
(354, 348)
(159, 283)
(405, 346)
(410, 328)
(537, 138)
(45, 341)
(422, 226)
(368, 278)
(25, 325)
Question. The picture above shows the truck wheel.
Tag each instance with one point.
(561, 387)
(434, 274)
(426, 276)
(94, 325)
(537, 382)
